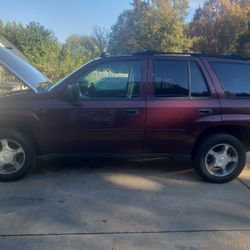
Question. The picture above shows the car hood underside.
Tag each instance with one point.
(29, 75)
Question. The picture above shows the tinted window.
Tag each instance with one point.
(170, 78)
(198, 84)
(235, 78)
(113, 79)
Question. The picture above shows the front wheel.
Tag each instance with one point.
(17, 155)
(220, 158)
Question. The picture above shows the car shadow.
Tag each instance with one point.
(144, 166)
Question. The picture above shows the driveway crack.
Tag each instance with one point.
(243, 183)
(124, 233)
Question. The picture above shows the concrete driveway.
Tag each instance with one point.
(123, 204)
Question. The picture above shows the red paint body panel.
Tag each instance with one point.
(160, 125)
(174, 125)
(98, 126)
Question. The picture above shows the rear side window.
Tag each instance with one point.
(179, 79)
(235, 78)
(170, 78)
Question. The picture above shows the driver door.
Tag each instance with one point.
(108, 116)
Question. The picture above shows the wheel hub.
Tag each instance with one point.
(6, 156)
(221, 159)
(12, 156)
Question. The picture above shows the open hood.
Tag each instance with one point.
(29, 75)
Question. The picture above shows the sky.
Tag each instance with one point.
(66, 17)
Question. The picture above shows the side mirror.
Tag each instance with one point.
(72, 92)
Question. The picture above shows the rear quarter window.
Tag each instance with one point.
(234, 77)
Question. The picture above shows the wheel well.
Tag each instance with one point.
(24, 130)
(240, 132)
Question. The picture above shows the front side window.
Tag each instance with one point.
(234, 77)
(9, 83)
(119, 79)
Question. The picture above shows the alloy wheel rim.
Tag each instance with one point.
(12, 156)
(221, 160)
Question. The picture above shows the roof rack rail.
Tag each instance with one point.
(225, 56)
(154, 52)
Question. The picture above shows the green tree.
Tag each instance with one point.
(72, 55)
(218, 26)
(42, 49)
(244, 43)
(1, 27)
(101, 36)
(38, 44)
(88, 44)
(150, 25)
(13, 32)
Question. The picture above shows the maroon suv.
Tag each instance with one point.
(149, 104)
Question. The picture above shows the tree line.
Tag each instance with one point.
(219, 26)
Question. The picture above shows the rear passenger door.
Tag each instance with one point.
(181, 103)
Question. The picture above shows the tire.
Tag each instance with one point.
(17, 155)
(219, 158)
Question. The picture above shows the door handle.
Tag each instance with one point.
(205, 111)
(131, 111)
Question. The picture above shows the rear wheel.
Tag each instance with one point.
(220, 158)
(17, 155)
